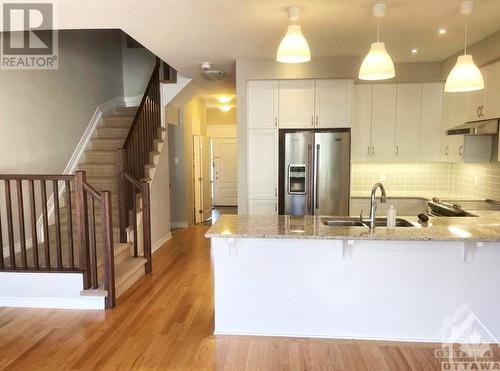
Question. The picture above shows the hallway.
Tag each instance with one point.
(166, 321)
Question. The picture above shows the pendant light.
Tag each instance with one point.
(377, 64)
(465, 76)
(293, 47)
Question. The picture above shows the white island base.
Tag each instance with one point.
(361, 289)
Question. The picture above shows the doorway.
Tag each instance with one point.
(225, 172)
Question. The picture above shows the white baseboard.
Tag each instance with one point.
(161, 241)
(179, 225)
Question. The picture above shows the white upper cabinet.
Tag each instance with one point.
(333, 103)
(262, 97)
(296, 104)
(408, 109)
(431, 117)
(383, 121)
(361, 122)
(492, 94)
(476, 105)
(262, 163)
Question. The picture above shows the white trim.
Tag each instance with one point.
(178, 225)
(362, 338)
(86, 302)
(161, 241)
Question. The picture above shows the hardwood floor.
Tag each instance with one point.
(165, 322)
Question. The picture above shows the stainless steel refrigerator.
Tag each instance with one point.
(314, 172)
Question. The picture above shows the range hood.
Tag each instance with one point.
(480, 127)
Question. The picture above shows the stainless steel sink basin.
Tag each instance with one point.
(343, 222)
(355, 222)
(382, 222)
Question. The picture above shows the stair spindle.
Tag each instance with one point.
(45, 217)
(55, 189)
(33, 217)
(10, 227)
(20, 214)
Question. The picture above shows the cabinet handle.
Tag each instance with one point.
(368, 151)
(275, 207)
(397, 150)
(482, 111)
(446, 150)
(478, 114)
(373, 151)
(317, 120)
(275, 121)
(312, 120)
(460, 151)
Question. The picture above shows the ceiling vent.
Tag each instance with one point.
(210, 74)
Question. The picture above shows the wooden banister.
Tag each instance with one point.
(59, 256)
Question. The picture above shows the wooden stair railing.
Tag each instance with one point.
(36, 249)
(133, 157)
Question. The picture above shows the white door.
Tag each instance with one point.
(201, 178)
(383, 121)
(333, 103)
(296, 104)
(225, 172)
(408, 110)
(361, 122)
(430, 127)
(262, 104)
(262, 164)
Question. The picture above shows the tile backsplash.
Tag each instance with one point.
(477, 180)
(428, 179)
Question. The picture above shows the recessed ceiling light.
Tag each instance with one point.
(225, 108)
(224, 98)
(414, 51)
(442, 31)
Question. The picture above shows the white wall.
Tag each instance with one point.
(160, 199)
(138, 64)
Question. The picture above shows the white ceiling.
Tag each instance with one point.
(187, 32)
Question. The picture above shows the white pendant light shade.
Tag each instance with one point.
(465, 76)
(377, 64)
(293, 47)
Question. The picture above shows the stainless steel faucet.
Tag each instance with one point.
(373, 204)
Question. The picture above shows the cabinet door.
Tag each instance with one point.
(431, 119)
(383, 121)
(361, 122)
(492, 92)
(460, 116)
(296, 104)
(333, 103)
(262, 207)
(447, 123)
(262, 163)
(262, 98)
(475, 105)
(408, 110)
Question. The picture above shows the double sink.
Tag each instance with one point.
(356, 222)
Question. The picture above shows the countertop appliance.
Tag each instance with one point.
(460, 207)
(314, 176)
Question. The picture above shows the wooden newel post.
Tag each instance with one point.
(82, 222)
(109, 258)
(146, 224)
(121, 195)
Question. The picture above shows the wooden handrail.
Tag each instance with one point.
(52, 250)
(143, 102)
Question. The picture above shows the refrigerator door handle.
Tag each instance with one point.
(316, 181)
(310, 185)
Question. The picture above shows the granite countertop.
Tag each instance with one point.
(484, 228)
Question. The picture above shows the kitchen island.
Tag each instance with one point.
(295, 276)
